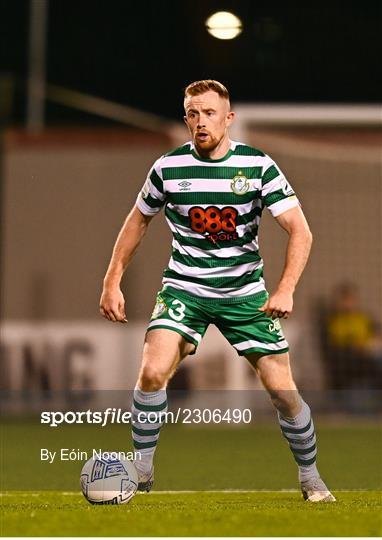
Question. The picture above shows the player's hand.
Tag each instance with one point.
(112, 305)
(279, 305)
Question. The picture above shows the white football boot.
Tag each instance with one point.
(315, 490)
(145, 480)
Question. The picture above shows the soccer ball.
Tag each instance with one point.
(109, 479)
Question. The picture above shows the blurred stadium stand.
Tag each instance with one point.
(66, 193)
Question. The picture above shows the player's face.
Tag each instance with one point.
(208, 117)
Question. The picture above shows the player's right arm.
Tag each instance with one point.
(112, 302)
(149, 202)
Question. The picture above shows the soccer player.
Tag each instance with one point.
(214, 190)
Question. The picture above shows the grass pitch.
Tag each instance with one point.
(194, 467)
(192, 514)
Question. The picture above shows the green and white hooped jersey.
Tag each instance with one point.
(213, 208)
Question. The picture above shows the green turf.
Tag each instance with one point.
(193, 514)
(255, 457)
(246, 458)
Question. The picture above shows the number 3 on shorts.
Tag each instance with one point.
(178, 313)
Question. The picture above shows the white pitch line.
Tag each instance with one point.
(180, 492)
(163, 492)
(172, 492)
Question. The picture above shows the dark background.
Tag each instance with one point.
(138, 53)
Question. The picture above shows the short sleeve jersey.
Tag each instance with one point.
(213, 208)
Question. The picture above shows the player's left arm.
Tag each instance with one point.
(280, 302)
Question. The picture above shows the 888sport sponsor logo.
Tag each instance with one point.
(215, 223)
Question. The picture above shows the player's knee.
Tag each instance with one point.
(287, 402)
(152, 379)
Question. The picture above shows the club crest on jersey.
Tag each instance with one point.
(240, 184)
(160, 307)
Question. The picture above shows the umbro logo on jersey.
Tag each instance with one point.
(240, 184)
(184, 186)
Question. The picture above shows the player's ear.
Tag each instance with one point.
(230, 118)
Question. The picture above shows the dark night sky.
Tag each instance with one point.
(143, 53)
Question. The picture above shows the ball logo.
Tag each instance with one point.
(114, 469)
(240, 184)
(98, 470)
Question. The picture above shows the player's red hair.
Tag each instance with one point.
(201, 87)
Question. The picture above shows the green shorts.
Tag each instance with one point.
(247, 329)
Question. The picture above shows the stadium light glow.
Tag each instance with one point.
(224, 25)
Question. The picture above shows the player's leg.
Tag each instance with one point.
(261, 340)
(163, 350)
(275, 374)
(295, 420)
(175, 330)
